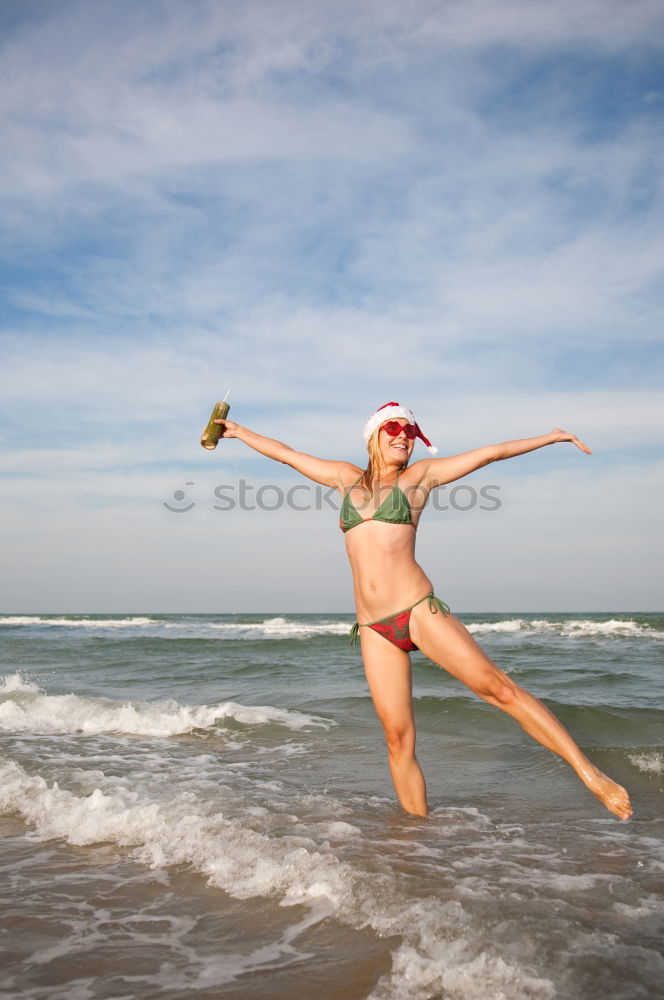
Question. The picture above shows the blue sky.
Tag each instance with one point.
(326, 206)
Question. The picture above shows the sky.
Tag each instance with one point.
(324, 206)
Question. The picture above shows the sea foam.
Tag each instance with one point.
(648, 763)
(279, 628)
(441, 949)
(570, 628)
(130, 621)
(25, 708)
(275, 627)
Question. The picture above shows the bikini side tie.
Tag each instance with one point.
(436, 605)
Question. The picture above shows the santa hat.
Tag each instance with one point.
(390, 411)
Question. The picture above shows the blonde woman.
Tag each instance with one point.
(397, 610)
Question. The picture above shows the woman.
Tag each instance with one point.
(396, 608)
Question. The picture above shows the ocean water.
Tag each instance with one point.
(200, 806)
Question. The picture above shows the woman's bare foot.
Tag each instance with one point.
(609, 792)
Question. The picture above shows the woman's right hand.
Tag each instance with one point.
(231, 429)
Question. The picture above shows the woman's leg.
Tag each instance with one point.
(389, 677)
(447, 642)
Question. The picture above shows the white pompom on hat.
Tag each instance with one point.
(392, 411)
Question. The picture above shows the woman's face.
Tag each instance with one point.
(395, 450)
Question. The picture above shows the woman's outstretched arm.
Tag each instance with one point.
(320, 470)
(447, 470)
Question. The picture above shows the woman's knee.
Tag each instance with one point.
(400, 739)
(497, 688)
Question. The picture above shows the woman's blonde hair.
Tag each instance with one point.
(376, 464)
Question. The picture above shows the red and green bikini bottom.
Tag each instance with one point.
(396, 628)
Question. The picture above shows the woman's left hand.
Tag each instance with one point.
(561, 435)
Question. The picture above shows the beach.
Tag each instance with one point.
(200, 805)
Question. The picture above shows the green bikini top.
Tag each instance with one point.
(394, 509)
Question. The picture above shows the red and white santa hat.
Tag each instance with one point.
(392, 411)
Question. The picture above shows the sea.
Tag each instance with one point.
(200, 806)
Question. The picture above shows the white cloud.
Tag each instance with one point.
(608, 23)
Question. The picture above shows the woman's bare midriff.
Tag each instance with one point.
(386, 577)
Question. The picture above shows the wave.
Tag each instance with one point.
(441, 949)
(597, 727)
(277, 627)
(569, 628)
(130, 621)
(292, 627)
(460, 704)
(24, 707)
